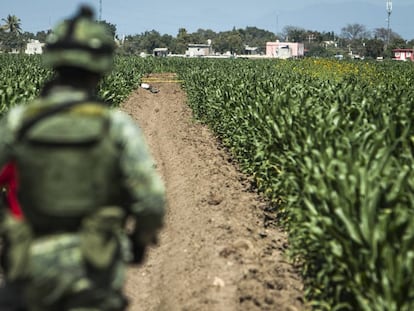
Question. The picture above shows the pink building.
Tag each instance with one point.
(285, 49)
(403, 54)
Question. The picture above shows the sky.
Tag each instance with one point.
(165, 16)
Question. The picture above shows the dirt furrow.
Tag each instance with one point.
(215, 252)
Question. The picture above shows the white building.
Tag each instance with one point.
(34, 47)
(160, 52)
(198, 50)
(251, 50)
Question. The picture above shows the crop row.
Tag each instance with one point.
(331, 145)
(22, 77)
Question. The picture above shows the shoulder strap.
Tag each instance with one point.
(30, 122)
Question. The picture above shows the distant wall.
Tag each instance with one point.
(285, 49)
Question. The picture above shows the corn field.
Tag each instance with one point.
(329, 143)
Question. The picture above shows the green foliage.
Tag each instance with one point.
(338, 153)
(111, 27)
(12, 24)
(10, 41)
(330, 144)
(122, 80)
(234, 40)
(21, 78)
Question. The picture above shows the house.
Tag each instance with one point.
(403, 54)
(251, 50)
(329, 43)
(34, 47)
(160, 52)
(285, 49)
(199, 50)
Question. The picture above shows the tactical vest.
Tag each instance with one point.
(67, 163)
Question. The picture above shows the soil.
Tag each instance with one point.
(219, 249)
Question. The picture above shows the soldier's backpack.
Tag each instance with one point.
(68, 164)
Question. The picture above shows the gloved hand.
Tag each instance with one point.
(138, 250)
(140, 242)
(138, 253)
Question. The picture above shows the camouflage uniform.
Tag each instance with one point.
(91, 197)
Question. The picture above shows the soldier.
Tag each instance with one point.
(91, 198)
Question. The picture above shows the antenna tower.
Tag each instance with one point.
(100, 10)
(389, 10)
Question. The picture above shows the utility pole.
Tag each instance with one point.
(277, 26)
(389, 10)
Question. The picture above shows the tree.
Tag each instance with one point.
(145, 42)
(42, 35)
(166, 40)
(202, 36)
(294, 34)
(11, 41)
(149, 41)
(255, 37)
(374, 48)
(111, 27)
(355, 31)
(229, 41)
(381, 34)
(319, 51)
(328, 36)
(12, 24)
(130, 45)
(183, 39)
(235, 42)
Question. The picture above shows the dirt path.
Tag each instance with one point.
(215, 252)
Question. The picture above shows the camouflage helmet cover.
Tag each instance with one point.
(80, 42)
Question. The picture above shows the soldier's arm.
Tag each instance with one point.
(9, 123)
(5, 141)
(142, 183)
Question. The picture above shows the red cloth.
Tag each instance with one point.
(9, 180)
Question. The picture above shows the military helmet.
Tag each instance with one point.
(80, 42)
